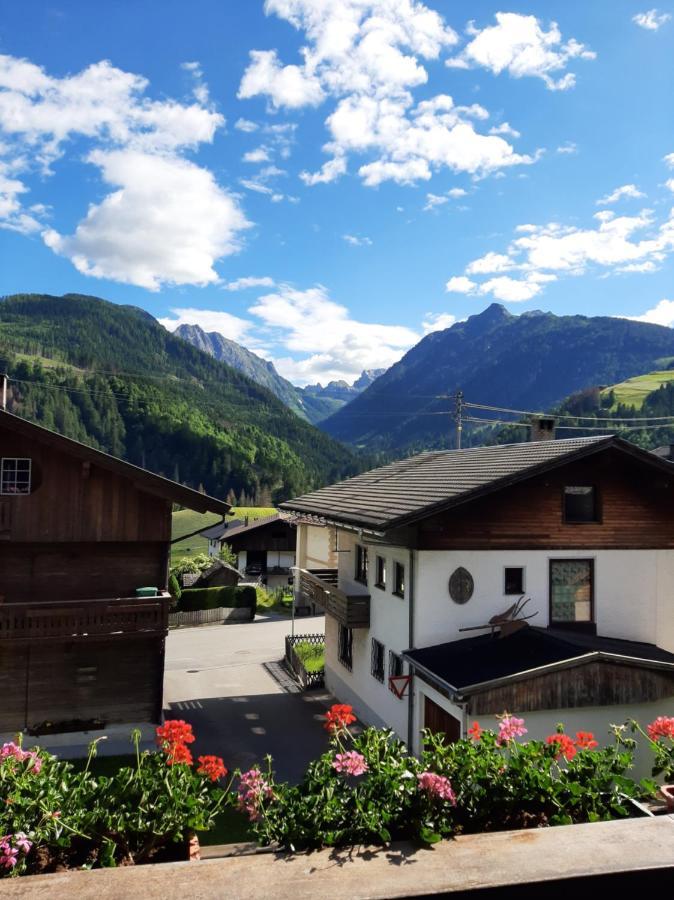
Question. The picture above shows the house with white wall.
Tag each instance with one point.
(432, 554)
(265, 547)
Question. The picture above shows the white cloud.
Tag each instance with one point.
(437, 322)
(167, 222)
(627, 190)
(669, 184)
(669, 159)
(357, 241)
(519, 45)
(569, 147)
(661, 314)
(224, 323)
(243, 284)
(246, 125)
(367, 56)
(455, 193)
(459, 284)
(505, 129)
(259, 155)
(651, 20)
(435, 200)
(490, 263)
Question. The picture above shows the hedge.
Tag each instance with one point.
(193, 599)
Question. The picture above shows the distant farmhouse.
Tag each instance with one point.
(265, 548)
(84, 554)
(536, 578)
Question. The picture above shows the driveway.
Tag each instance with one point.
(225, 680)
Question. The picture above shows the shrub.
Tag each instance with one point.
(191, 565)
(194, 599)
(174, 588)
(312, 656)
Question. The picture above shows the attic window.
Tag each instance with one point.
(15, 476)
(580, 504)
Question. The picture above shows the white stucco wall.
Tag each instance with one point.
(665, 600)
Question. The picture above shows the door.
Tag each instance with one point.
(439, 721)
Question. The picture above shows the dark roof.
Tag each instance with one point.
(431, 482)
(144, 480)
(226, 531)
(216, 531)
(480, 660)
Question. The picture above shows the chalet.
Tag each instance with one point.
(84, 553)
(536, 578)
(265, 548)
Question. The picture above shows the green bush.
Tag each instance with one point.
(174, 588)
(231, 597)
(312, 656)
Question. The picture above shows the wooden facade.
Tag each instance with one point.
(77, 647)
(635, 512)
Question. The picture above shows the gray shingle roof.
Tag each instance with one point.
(413, 488)
(232, 529)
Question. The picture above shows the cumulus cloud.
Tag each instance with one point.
(437, 322)
(435, 200)
(367, 56)
(627, 190)
(519, 44)
(661, 314)
(246, 125)
(506, 129)
(167, 219)
(243, 284)
(651, 20)
(357, 241)
(224, 323)
(569, 147)
(259, 155)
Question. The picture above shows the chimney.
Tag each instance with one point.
(542, 428)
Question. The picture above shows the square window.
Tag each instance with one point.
(571, 591)
(15, 476)
(513, 580)
(399, 580)
(345, 647)
(381, 572)
(377, 660)
(580, 504)
(361, 563)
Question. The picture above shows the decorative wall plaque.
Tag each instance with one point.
(461, 585)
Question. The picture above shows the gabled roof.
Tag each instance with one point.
(414, 488)
(232, 529)
(469, 665)
(144, 480)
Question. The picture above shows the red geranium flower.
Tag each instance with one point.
(662, 727)
(212, 766)
(175, 731)
(585, 740)
(339, 716)
(475, 731)
(565, 745)
(178, 753)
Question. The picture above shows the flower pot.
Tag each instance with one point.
(667, 791)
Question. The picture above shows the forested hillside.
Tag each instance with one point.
(114, 378)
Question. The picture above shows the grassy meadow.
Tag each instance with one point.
(185, 521)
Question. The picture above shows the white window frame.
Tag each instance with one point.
(15, 460)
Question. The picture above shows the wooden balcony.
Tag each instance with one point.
(350, 611)
(81, 619)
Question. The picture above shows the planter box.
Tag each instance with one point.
(218, 616)
(308, 680)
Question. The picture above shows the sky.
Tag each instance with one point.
(327, 181)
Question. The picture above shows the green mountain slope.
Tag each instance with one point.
(111, 376)
(532, 361)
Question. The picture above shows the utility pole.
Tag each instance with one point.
(458, 417)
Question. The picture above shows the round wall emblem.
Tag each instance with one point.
(461, 585)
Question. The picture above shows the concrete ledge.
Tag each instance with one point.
(75, 744)
(638, 853)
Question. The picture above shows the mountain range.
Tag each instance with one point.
(313, 402)
(113, 377)
(527, 362)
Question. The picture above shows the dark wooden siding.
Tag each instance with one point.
(274, 536)
(635, 505)
(593, 684)
(439, 721)
(112, 681)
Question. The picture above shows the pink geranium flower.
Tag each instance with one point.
(351, 763)
(509, 728)
(437, 786)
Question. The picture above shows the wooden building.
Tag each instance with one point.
(265, 548)
(80, 533)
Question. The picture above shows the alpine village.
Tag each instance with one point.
(297, 605)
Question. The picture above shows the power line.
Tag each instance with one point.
(521, 412)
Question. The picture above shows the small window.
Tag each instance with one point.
(399, 580)
(514, 580)
(395, 667)
(345, 647)
(377, 660)
(381, 573)
(571, 591)
(15, 476)
(361, 563)
(580, 504)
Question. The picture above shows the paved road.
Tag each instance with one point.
(219, 678)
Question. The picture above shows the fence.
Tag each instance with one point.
(217, 616)
(308, 680)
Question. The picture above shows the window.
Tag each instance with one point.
(399, 580)
(377, 660)
(580, 504)
(571, 591)
(395, 667)
(381, 572)
(513, 580)
(345, 647)
(15, 476)
(361, 563)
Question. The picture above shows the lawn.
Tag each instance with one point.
(185, 522)
(633, 391)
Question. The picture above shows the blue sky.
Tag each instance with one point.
(327, 181)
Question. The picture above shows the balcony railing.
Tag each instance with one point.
(350, 611)
(46, 621)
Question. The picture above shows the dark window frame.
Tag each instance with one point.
(396, 668)
(398, 566)
(362, 564)
(345, 647)
(380, 572)
(589, 626)
(12, 474)
(377, 660)
(522, 589)
(597, 517)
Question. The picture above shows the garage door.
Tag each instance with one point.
(439, 721)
